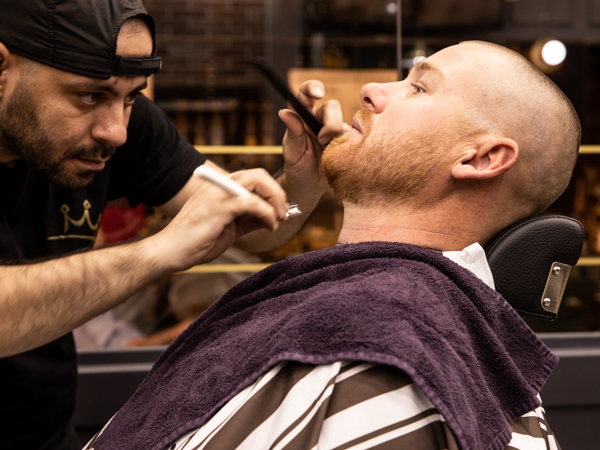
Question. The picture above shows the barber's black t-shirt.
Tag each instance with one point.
(39, 220)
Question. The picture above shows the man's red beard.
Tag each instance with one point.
(377, 170)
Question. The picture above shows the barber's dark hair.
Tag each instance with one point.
(135, 24)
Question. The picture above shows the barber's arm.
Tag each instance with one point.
(40, 302)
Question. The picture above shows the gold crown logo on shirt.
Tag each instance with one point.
(85, 218)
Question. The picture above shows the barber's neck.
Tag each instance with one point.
(7, 158)
(437, 227)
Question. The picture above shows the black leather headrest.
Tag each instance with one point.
(531, 262)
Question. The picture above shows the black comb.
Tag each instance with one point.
(283, 89)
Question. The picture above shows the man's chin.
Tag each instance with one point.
(337, 142)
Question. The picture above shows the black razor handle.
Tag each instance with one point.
(283, 89)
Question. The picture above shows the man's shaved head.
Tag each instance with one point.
(514, 99)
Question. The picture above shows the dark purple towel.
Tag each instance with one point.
(380, 302)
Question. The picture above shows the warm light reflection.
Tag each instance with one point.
(417, 59)
(548, 54)
(554, 52)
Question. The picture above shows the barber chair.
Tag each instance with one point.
(531, 261)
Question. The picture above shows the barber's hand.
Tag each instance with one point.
(301, 148)
(212, 219)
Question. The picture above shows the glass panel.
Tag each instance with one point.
(215, 97)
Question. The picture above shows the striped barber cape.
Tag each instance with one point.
(340, 406)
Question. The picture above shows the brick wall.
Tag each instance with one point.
(206, 46)
(206, 43)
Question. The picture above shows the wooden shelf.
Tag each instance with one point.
(589, 149)
(224, 268)
(239, 149)
(589, 261)
(277, 150)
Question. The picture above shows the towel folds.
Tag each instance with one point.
(381, 302)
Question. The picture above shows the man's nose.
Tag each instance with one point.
(375, 96)
(111, 126)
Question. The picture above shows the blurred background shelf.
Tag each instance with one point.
(277, 149)
(225, 268)
(242, 149)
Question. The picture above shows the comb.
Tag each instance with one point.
(282, 88)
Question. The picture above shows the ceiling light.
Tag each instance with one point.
(554, 52)
(548, 54)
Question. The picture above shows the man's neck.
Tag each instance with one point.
(427, 227)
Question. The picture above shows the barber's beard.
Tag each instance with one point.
(379, 170)
(22, 135)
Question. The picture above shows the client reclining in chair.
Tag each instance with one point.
(395, 338)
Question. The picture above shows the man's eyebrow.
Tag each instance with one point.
(425, 66)
(93, 86)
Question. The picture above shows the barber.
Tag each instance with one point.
(75, 134)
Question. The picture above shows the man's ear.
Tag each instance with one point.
(488, 159)
(4, 59)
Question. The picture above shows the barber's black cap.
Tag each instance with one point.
(78, 36)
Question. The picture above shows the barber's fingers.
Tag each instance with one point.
(293, 122)
(265, 186)
(208, 223)
(302, 157)
(213, 208)
(262, 213)
(310, 92)
(247, 223)
(296, 137)
(330, 114)
(296, 142)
